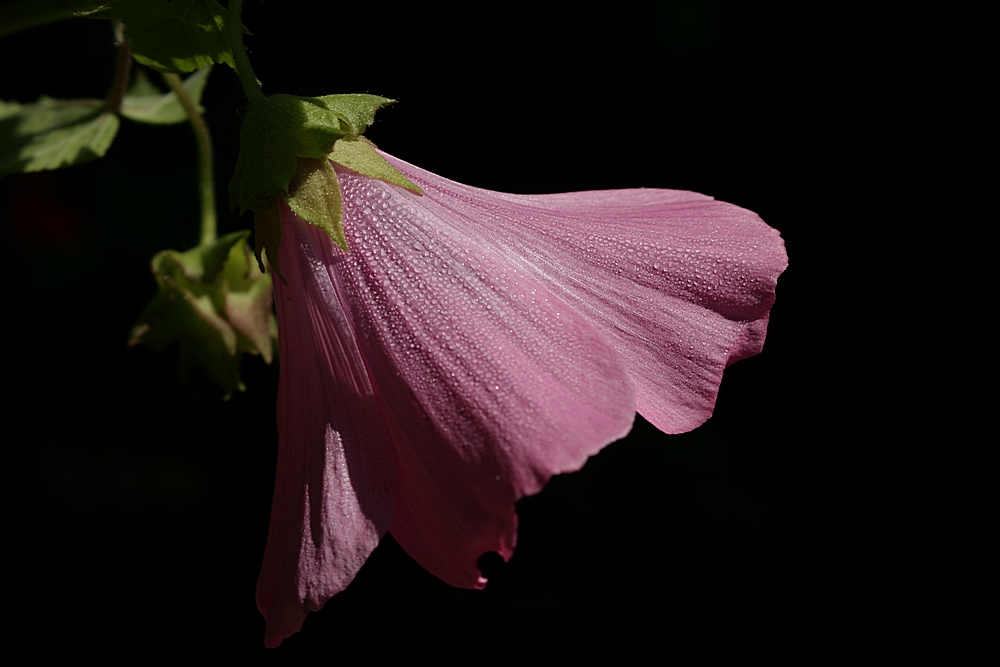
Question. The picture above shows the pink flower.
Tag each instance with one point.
(471, 345)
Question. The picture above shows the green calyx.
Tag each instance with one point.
(212, 302)
(286, 145)
(277, 130)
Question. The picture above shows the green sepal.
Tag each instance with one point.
(360, 155)
(214, 304)
(267, 235)
(280, 135)
(145, 103)
(314, 195)
(173, 36)
(357, 110)
(50, 134)
(280, 128)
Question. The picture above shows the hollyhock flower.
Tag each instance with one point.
(470, 345)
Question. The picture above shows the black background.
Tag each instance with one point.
(826, 514)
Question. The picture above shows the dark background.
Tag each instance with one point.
(826, 514)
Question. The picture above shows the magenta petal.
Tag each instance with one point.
(471, 345)
(489, 383)
(680, 284)
(335, 489)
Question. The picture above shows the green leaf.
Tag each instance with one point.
(145, 103)
(314, 195)
(214, 304)
(276, 131)
(53, 133)
(360, 155)
(173, 35)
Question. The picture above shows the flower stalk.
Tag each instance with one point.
(243, 69)
(206, 181)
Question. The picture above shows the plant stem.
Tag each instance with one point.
(206, 180)
(24, 14)
(123, 65)
(243, 69)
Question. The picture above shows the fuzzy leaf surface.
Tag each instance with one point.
(360, 155)
(174, 36)
(275, 132)
(357, 109)
(314, 195)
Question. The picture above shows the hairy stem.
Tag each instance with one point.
(235, 39)
(206, 181)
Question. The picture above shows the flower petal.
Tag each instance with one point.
(488, 382)
(335, 488)
(680, 284)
